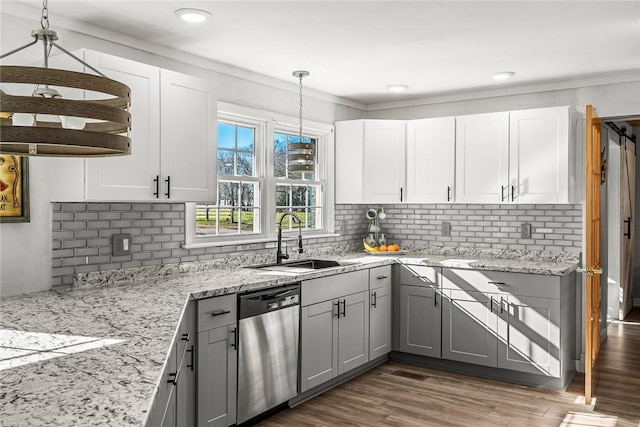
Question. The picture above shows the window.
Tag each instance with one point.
(257, 183)
(296, 190)
(237, 210)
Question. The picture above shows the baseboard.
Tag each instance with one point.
(636, 302)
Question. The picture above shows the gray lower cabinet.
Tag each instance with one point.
(420, 320)
(175, 403)
(509, 320)
(334, 335)
(217, 361)
(379, 322)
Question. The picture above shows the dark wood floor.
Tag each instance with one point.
(397, 394)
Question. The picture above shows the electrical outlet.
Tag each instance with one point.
(121, 244)
(446, 229)
(525, 231)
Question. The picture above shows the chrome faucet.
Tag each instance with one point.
(279, 255)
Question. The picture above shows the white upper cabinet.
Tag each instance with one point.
(384, 161)
(173, 141)
(431, 160)
(539, 165)
(188, 138)
(482, 158)
(370, 161)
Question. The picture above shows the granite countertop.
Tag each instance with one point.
(98, 350)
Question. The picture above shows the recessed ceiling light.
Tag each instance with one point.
(503, 75)
(192, 15)
(397, 88)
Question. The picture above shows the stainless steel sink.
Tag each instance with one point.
(307, 264)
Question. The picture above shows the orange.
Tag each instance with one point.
(393, 248)
(383, 248)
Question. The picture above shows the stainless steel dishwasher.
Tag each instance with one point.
(268, 349)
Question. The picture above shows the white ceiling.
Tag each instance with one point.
(354, 49)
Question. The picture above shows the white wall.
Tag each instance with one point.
(25, 265)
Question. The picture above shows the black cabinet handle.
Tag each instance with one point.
(190, 364)
(156, 181)
(220, 312)
(337, 306)
(168, 181)
(173, 378)
(501, 305)
(497, 283)
(400, 193)
(186, 337)
(435, 298)
(374, 300)
(448, 194)
(628, 232)
(513, 193)
(491, 304)
(234, 341)
(382, 277)
(344, 308)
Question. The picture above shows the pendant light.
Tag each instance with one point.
(46, 123)
(301, 155)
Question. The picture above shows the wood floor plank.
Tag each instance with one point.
(400, 394)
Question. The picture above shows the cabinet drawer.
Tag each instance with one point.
(331, 287)
(419, 275)
(533, 285)
(379, 277)
(216, 312)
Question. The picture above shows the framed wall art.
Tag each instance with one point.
(14, 188)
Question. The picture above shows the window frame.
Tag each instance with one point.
(266, 124)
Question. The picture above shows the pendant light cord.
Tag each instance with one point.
(44, 20)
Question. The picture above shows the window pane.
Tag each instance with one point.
(228, 193)
(248, 194)
(280, 166)
(280, 143)
(226, 221)
(299, 195)
(226, 136)
(282, 195)
(206, 219)
(245, 164)
(245, 138)
(225, 162)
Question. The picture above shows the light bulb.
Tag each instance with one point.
(77, 123)
(23, 119)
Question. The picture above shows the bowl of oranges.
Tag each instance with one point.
(390, 249)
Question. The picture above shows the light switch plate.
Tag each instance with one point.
(121, 244)
(446, 229)
(525, 231)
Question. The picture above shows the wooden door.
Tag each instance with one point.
(592, 249)
(627, 220)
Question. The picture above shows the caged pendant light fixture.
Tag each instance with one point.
(47, 124)
(301, 155)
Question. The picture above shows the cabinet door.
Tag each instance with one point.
(319, 345)
(431, 160)
(469, 327)
(186, 388)
(188, 138)
(482, 158)
(420, 320)
(539, 155)
(163, 412)
(529, 331)
(353, 332)
(379, 322)
(129, 177)
(217, 376)
(349, 168)
(384, 161)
